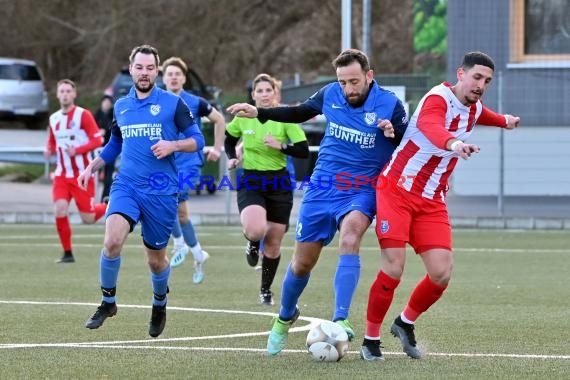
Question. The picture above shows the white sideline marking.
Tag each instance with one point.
(100, 235)
(145, 346)
(288, 351)
(286, 247)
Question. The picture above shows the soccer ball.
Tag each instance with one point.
(327, 342)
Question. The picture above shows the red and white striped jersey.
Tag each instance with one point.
(76, 128)
(421, 164)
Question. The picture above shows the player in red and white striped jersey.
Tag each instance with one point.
(73, 135)
(411, 192)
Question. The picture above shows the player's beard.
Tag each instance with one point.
(357, 100)
(144, 89)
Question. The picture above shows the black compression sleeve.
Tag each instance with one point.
(230, 145)
(298, 150)
(287, 114)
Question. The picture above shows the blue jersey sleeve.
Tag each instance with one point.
(204, 108)
(195, 133)
(183, 117)
(186, 124)
(112, 150)
(115, 145)
(317, 100)
(399, 122)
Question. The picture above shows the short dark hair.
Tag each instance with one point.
(175, 61)
(145, 49)
(477, 58)
(349, 56)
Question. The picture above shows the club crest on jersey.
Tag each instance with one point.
(370, 118)
(384, 226)
(155, 109)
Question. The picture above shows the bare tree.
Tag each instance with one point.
(227, 41)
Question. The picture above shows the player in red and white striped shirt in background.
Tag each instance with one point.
(73, 134)
(411, 190)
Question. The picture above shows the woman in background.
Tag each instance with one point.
(265, 193)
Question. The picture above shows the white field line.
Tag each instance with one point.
(144, 344)
(99, 235)
(3, 243)
(290, 351)
(312, 322)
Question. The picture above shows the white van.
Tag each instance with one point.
(23, 93)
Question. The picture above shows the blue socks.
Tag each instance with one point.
(345, 282)
(160, 286)
(292, 288)
(189, 234)
(108, 274)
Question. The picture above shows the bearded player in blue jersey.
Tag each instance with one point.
(174, 71)
(145, 130)
(364, 125)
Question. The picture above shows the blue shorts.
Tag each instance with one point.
(322, 211)
(156, 212)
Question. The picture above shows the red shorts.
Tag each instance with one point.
(403, 216)
(67, 188)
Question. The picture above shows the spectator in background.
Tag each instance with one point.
(104, 118)
(72, 135)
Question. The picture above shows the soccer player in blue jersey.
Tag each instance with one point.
(174, 71)
(364, 125)
(146, 127)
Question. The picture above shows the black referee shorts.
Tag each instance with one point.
(271, 190)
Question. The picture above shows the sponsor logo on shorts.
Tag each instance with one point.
(384, 226)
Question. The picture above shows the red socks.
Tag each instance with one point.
(64, 232)
(379, 301)
(64, 229)
(425, 294)
(100, 209)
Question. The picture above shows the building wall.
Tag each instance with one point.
(538, 93)
(536, 162)
(536, 155)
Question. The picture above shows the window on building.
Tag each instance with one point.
(540, 30)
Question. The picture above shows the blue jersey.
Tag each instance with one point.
(199, 107)
(353, 145)
(139, 124)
